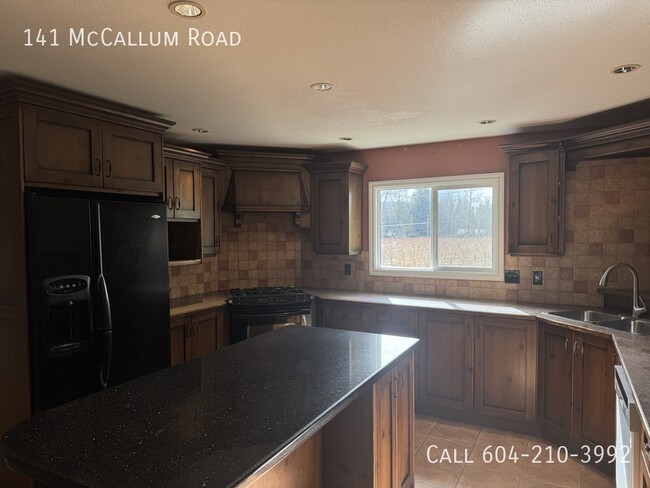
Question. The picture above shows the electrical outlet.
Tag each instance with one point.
(512, 276)
(537, 278)
(347, 269)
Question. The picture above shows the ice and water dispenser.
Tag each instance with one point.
(67, 323)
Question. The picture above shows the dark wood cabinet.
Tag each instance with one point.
(394, 427)
(480, 364)
(576, 389)
(210, 209)
(336, 190)
(594, 408)
(74, 151)
(505, 368)
(195, 335)
(183, 182)
(536, 199)
(445, 361)
(555, 381)
(644, 460)
(392, 320)
(343, 315)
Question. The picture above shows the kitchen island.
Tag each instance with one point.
(299, 406)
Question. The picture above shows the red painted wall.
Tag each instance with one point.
(449, 158)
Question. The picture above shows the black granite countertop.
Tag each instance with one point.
(211, 422)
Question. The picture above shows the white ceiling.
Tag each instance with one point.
(404, 72)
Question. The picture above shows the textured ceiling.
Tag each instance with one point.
(404, 72)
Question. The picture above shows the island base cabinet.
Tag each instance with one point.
(367, 445)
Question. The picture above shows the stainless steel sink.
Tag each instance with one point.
(612, 321)
(634, 326)
(590, 316)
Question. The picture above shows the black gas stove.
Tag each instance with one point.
(268, 302)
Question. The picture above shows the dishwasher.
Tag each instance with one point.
(628, 432)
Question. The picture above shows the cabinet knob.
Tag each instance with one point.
(170, 203)
(566, 345)
(109, 168)
(98, 167)
(178, 203)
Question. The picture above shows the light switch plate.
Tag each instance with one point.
(537, 278)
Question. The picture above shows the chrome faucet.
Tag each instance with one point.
(638, 305)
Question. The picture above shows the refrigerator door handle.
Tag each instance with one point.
(107, 331)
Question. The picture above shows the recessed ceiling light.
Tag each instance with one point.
(187, 9)
(345, 138)
(487, 121)
(626, 68)
(200, 130)
(321, 86)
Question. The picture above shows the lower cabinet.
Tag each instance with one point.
(576, 395)
(480, 364)
(506, 369)
(343, 315)
(195, 335)
(394, 427)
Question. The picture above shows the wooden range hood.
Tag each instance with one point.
(266, 182)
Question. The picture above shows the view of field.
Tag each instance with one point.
(415, 252)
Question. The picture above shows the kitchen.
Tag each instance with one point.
(268, 249)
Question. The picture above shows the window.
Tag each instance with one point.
(450, 227)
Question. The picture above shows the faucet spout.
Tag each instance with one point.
(638, 305)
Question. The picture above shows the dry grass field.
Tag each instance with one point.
(411, 252)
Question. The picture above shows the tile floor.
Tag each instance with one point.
(468, 469)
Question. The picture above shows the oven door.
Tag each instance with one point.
(245, 327)
(260, 326)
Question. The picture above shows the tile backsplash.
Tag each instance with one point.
(607, 217)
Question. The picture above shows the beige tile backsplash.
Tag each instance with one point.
(607, 220)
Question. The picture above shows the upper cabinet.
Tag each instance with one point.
(211, 207)
(536, 199)
(183, 182)
(183, 189)
(75, 142)
(336, 190)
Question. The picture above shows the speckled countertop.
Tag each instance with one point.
(211, 422)
(196, 303)
(633, 350)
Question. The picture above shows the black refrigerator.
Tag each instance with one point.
(98, 293)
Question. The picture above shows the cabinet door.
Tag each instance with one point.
(330, 199)
(594, 414)
(393, 320)
(506, 355)
(344, 315)
(554, 400)
(187, 190)
(536, 196)
(210, 212)
(644, 461)
(202, 339)
(132, 159)
(61, 148)
(445, 360)
(180, 325)
(403, 425)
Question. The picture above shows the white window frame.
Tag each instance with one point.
(495, 180)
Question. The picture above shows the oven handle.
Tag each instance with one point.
(270, 316)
